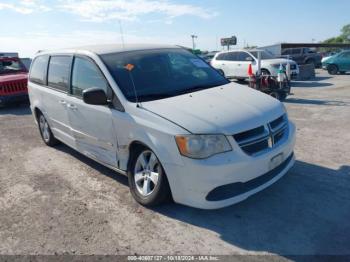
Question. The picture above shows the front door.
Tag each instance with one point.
(92, 125)
(344, 62)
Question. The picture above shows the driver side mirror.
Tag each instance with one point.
(95, 96)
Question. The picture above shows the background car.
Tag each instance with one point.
(339, 63)
(234, 64)
(13, 80)
(303, 56)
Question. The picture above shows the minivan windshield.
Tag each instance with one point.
(156, 74)
(264, 55)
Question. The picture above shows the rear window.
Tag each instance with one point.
(8, 66)
(38, 70)
(59, 71)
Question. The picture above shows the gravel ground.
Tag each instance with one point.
(55, 201)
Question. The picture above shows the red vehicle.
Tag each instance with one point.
(13, 80)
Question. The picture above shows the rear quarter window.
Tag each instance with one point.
(38, 70)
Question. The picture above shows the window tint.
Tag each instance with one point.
(221, 57)
(59, 69)
(243, 56)
(232, 56)
(38, 70)
(86, 75)
(286, 52)
(296, 51)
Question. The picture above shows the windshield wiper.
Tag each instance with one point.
(150, 97)
(196, 88)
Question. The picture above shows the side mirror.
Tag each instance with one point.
(95, 96)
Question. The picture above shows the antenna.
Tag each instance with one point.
(121, 33)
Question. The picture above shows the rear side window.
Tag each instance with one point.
(38, 70)
(86, 75)
(232, 56)
(59, 71)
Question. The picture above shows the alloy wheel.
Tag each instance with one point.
(146, 173)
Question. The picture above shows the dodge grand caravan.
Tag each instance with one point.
(165, 118)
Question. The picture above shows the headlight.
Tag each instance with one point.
(202, 146)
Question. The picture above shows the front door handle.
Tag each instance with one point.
(73, 107)
(62, 102)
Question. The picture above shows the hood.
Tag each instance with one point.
(228, 109)
(282, 61)
(13, 77)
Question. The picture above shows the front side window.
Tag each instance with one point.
(59, 71)
(38, 69)
(155, 74)
(86, 75)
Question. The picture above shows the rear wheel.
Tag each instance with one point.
(147, 179)
(276, 95)
(45, 131)
(332, 69)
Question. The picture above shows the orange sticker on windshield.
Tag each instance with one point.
(129, 67)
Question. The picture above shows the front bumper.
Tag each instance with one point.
(228, 178)
(8, 99)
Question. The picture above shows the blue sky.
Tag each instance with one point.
(30, 25)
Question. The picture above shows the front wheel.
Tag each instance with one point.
(147, 179)
(332, 69)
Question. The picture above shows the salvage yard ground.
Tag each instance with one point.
(55, 201)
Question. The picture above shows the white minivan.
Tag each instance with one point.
(169, 121)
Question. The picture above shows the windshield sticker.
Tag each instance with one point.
(199, 63)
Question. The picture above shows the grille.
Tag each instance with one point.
(262, 138)
(13, 88)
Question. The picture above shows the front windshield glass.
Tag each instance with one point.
(161, 73)
(11, 66)
(264, 55)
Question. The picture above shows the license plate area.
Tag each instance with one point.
(276, 161)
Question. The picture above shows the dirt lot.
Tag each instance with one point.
(58, 201)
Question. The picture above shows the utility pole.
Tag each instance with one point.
(121, 33)
(193, 43)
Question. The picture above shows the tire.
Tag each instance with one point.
(144, 167)
(311, 62)
(332, 69)
(221, 72)
(265, 72)
(45, 131)
(283, 97)
(275, 95)
(242, 80)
